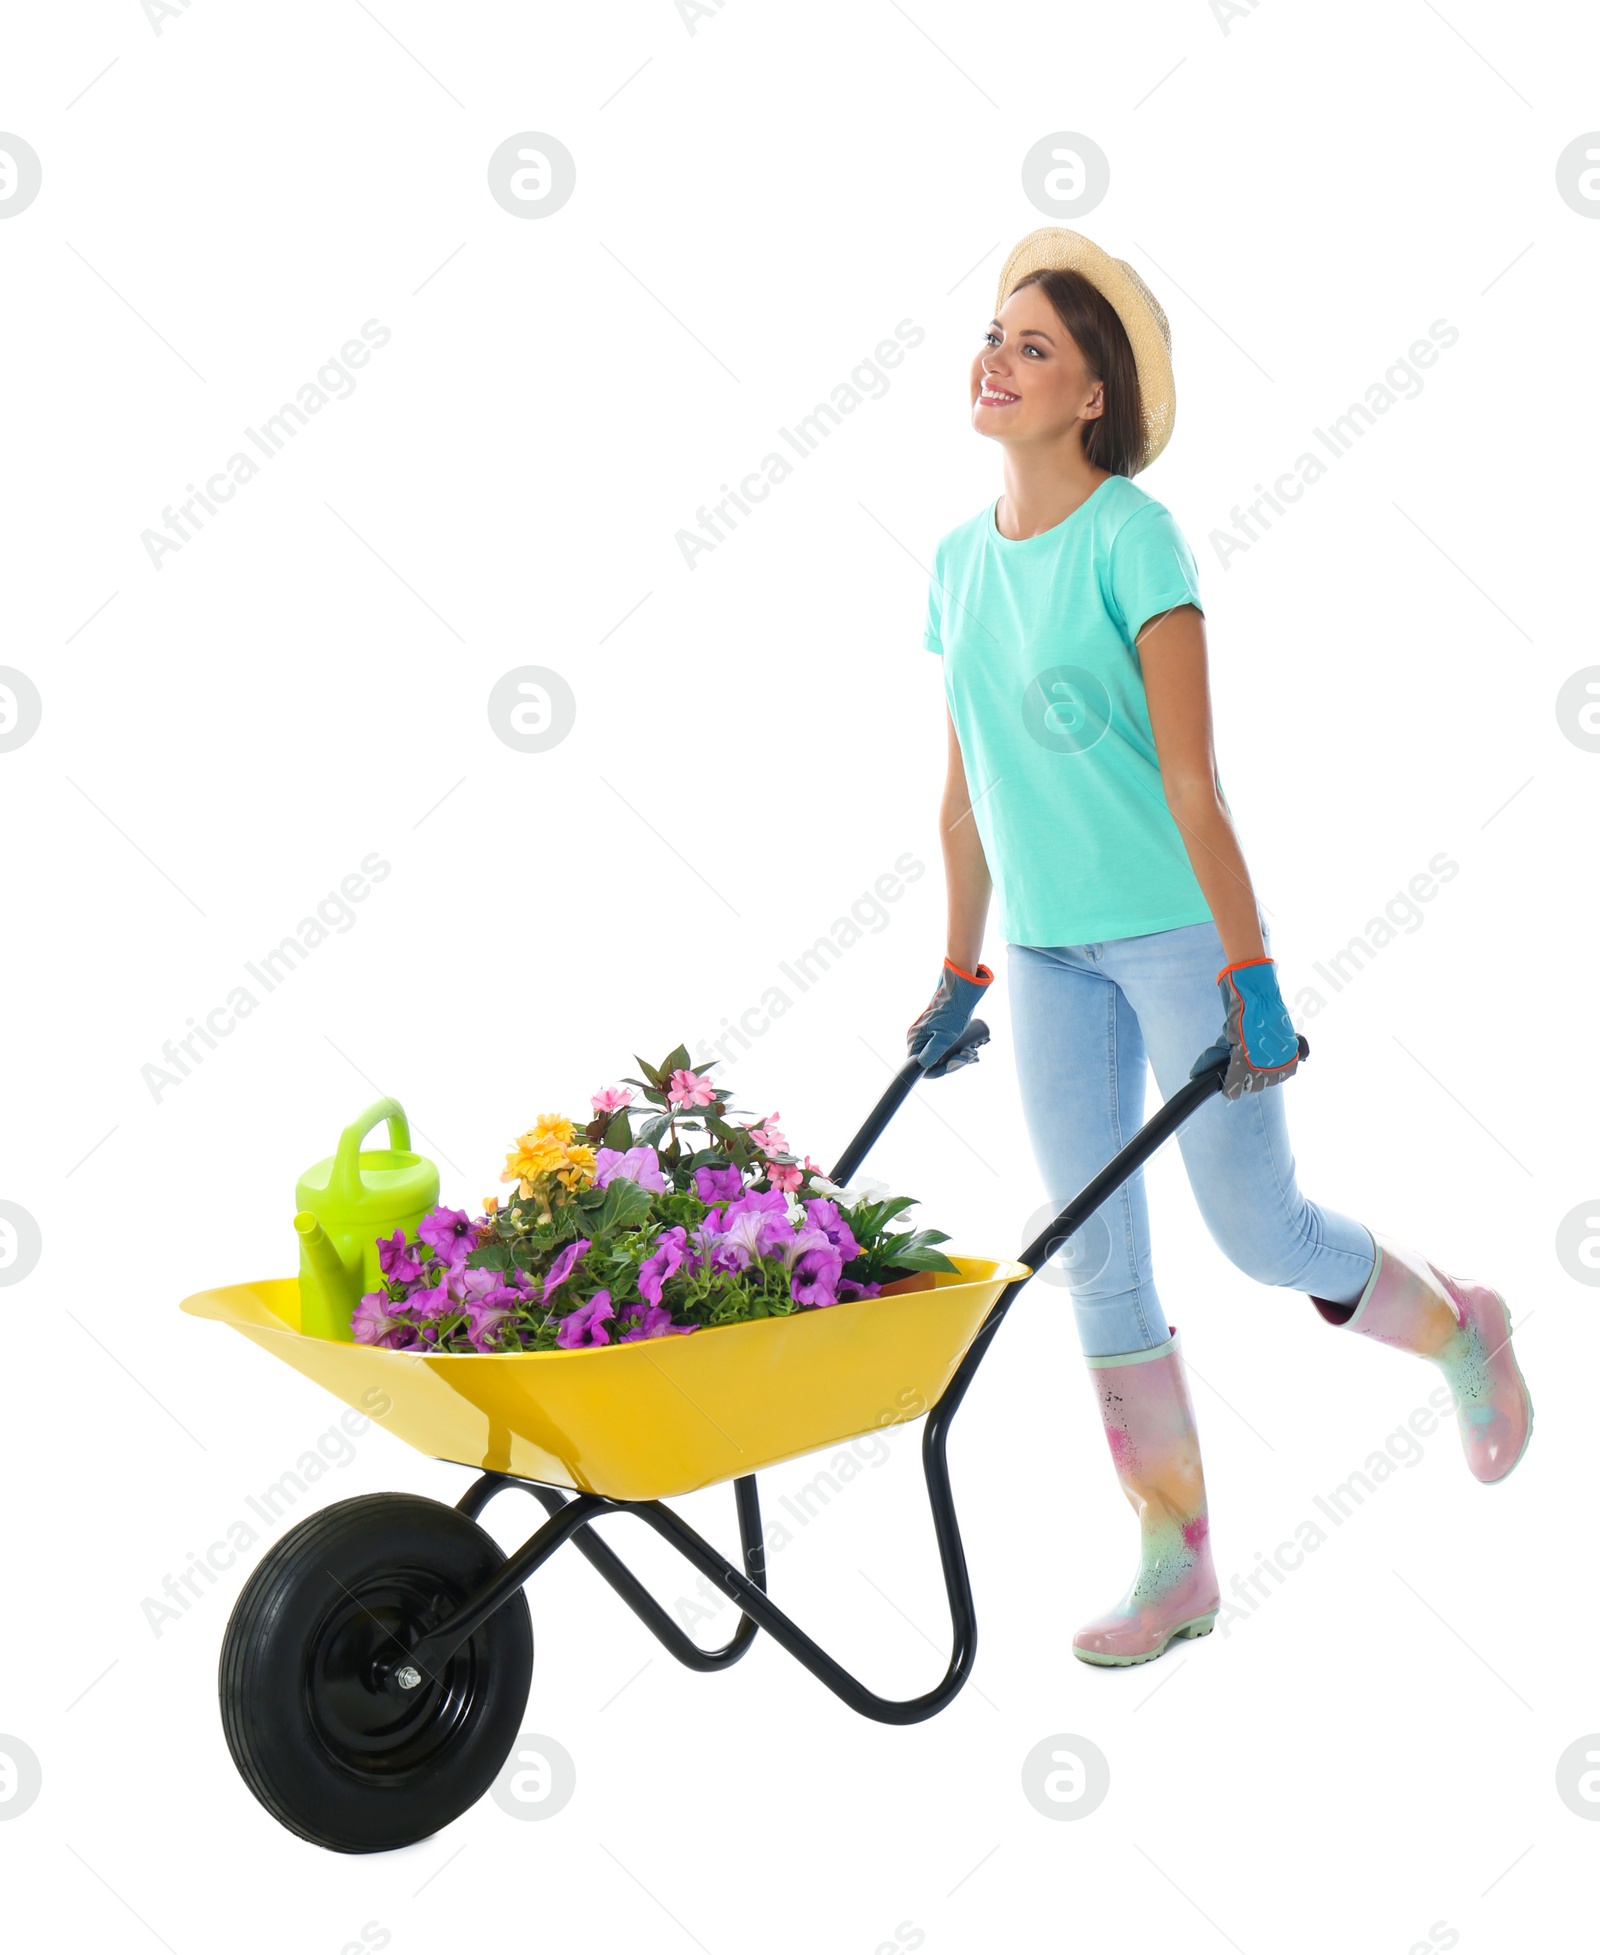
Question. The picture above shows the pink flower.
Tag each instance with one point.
(782, 1177)
(767, 1136)
(687, 1088)
(611, 1099)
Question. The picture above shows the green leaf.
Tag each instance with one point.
(916, 1259)
(618, 1134)
(655, 1078)
(493, 1255)
(623, 1205)
(677, 1060)
(653, 1129)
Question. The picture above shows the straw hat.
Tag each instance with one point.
(1056, 249)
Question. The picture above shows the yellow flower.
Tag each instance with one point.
(534, 1154)
(553, 1126)
(578, 1171)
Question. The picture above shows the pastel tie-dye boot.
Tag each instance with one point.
(1149, 1422)
(1465, 1329)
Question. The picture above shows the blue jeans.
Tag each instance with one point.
(1086, 1020)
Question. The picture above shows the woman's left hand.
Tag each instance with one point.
(1258, 1035)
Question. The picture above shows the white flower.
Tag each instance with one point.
(859, 1191)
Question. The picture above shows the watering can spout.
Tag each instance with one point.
(337, 1291)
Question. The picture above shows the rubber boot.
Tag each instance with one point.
(1462, 1327)
(1149, 1422)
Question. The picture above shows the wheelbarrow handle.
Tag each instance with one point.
(899, 1091)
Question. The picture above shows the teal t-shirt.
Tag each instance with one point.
(1042, 677)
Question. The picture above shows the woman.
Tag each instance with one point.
(1082, 788)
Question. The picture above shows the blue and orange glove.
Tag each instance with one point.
(944, 1018)
(1258, 1036)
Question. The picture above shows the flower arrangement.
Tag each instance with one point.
(618, 1232)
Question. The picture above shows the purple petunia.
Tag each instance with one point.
(714, 1185)
(759, 1218)
(398, 1258)
(436, 1301)
(468, 1285)
(671, 1246)
(638, 1164)
(564, 1265)
(647, 1320)
(587, 1324)
(742, 1240)
(450, 1233)
(824, 1215)
(814, 1269)
(375, 1320)
(487, 1317)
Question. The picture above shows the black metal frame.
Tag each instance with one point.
(571, 1515)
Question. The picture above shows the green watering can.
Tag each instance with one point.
(345, 1203)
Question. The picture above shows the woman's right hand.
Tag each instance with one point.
(944, 1018)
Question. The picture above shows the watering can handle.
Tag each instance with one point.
(344, 1184)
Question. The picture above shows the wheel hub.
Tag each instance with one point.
(374, 1711)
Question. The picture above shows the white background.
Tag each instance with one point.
(759, 201)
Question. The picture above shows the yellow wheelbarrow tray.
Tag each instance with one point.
(663, 1416)
(374, 1673)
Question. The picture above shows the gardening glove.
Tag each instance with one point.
(943, 1019)
(1258, 1037)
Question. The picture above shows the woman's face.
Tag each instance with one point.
(1029, 381)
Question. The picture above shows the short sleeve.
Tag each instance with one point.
(1152, 569)
(933, 629)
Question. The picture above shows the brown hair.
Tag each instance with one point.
(1116, 440)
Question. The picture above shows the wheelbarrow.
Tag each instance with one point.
(376, 1667)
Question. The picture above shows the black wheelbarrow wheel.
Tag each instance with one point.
(329, 1751)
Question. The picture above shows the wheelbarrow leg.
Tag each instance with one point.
(614, 1570)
